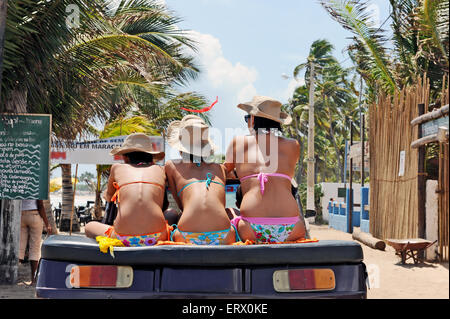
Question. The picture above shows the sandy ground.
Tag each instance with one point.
(388, 278)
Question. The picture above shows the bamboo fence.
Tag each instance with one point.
(443, 185)
(394, 198)
(443, 201)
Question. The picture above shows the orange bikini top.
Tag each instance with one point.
(116, 198)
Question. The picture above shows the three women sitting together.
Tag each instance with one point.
(264, 161)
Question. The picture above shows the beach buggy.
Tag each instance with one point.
(74, 267)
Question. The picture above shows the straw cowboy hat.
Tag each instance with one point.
(266, 107)
(138, 142)
(191, 136)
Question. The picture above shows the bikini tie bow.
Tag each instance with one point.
(263, 179)
(208, 180)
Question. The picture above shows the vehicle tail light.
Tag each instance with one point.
(293, 280)
(101, 277)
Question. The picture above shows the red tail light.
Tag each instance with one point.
(303, 280)
(101, 277)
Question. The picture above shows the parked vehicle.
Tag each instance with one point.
(74, 267)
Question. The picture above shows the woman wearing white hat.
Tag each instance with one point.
(137, 187)
(269, 212)
(197, 186)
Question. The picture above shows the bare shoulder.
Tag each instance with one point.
(161, 167)
(169, 166)
(290, 142)
(237, 139)
(115, 167)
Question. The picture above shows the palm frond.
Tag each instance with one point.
(436, 13)
(353, 16)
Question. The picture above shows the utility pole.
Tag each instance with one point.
(310, 206)
(361, 130)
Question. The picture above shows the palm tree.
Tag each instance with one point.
(353, 16)
(420, 43)
(68, 72)
(335, 101)
(320, 55)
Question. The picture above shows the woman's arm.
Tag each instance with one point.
(170, 170)
(41, 210)
(110, 190)
(230, 156)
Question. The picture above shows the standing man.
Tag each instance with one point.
(33, 214)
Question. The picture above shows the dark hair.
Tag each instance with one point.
(264, 123)
(165, 204)
(238, 196)
(139, 157)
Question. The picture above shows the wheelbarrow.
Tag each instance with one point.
(410, 248)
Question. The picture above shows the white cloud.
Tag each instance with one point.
(232, 82)
(221, 72)
(292, 85)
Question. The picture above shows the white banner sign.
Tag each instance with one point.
(94, 152)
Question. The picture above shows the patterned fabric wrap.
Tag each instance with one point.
(205, 238)
(272, 233)
(139, 240)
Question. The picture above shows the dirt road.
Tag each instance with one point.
(389, 279)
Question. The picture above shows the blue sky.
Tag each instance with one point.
(244, 47)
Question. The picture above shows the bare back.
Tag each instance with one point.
(203, 209)
(140, 203)
(247, 156)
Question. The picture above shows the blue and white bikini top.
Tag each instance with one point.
(208, 182)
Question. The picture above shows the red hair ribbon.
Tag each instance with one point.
(206, 109)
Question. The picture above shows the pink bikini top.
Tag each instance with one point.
(263, 178)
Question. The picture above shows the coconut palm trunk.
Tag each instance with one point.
(67, 200)
(336, 149)
(98, 193)
(50, 217)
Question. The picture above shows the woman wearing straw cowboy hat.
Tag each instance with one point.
(138, 188)
(197, 186)
(269, 212)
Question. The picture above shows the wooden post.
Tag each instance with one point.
(73, 199)
(362, 151)
(361, 129)
(421, 181)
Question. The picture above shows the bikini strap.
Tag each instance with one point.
(263, 178)
(238, 239)
(208, 182)
(174, 228)
(116, 197)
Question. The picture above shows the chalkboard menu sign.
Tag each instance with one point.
(24, 156)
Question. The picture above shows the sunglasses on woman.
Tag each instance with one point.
(246, 118)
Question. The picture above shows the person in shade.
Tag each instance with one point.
(265, 163)
(197, 186)
(137, 187)
(31, 225)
